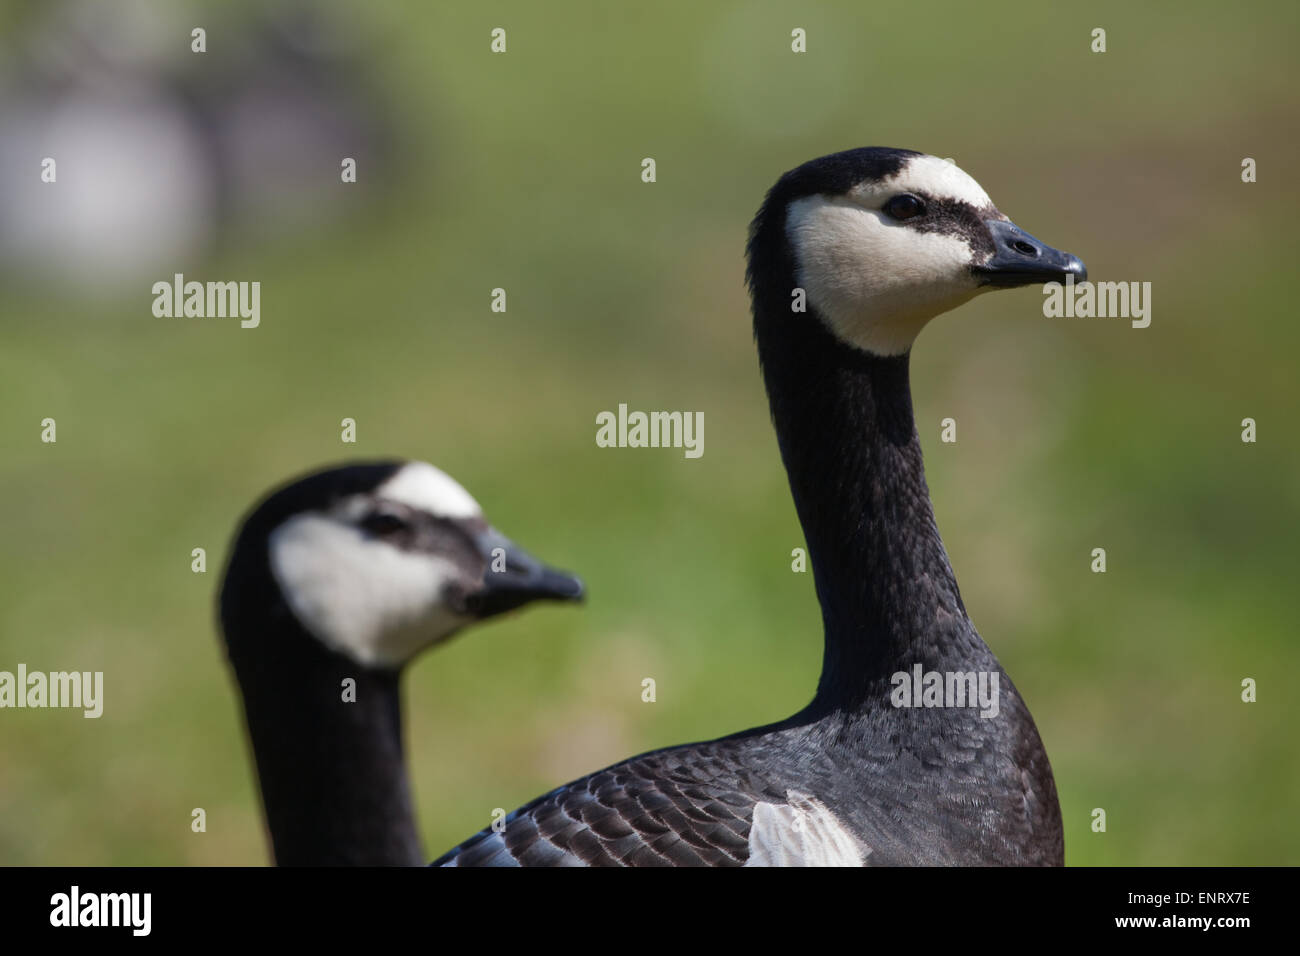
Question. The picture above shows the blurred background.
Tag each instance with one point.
(522, 171)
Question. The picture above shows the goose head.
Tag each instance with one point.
(334, 582)
(380, 561)
(880, 241)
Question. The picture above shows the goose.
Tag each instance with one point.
(875, 242)
(334, 582)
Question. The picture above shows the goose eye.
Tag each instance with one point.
(904, 207)
(382, 523)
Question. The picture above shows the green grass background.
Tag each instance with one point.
(522, 171)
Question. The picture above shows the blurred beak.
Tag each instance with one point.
(515, 578)
(1020, 259)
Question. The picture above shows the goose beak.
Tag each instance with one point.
(515, 578)
(1020, 259)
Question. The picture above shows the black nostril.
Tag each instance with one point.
(1025, 248)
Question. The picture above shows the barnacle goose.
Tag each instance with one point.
(345, 575)
(881, 241)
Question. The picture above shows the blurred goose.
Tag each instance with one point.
(345, 575)
(879, 241)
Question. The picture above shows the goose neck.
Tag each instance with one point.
(327, 738)
(845, 426)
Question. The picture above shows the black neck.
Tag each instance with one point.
(888, 594)
(332, 769)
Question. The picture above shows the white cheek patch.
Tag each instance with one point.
(875, 282)
(425, 488)
(801, 833)
(931, 175)
(360, 596)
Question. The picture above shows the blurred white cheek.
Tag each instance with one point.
(375, 603)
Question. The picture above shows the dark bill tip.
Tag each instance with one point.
(514, 578)
(1019, 259)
